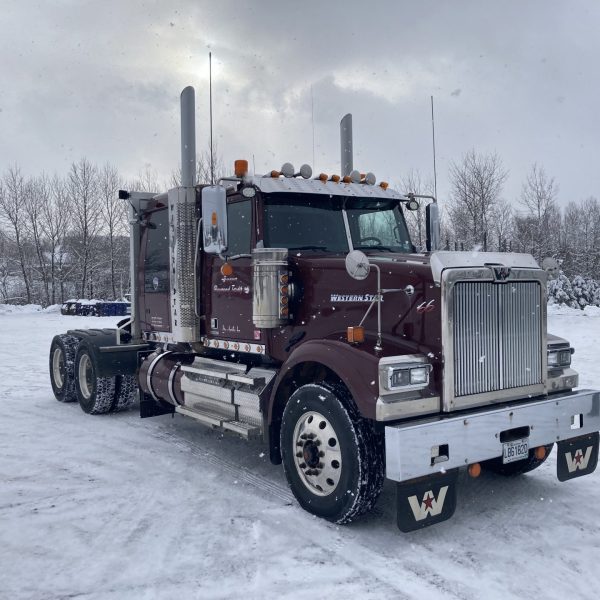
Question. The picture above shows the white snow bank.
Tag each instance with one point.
(7, 309)
(563, 309)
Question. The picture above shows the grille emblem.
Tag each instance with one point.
(501, 273)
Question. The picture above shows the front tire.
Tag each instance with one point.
(333, 458)
(95, 394)
(62, 367)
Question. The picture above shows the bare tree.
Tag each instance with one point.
(203, 168)
(476, 186)
(538, 198)
(415, 219)
(113, 213)
(82, 189)
(12, 212)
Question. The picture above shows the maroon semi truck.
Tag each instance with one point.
(297, 310)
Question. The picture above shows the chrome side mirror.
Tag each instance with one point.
(214, 219)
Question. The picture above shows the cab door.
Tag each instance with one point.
(229, 296)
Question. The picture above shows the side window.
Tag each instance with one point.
(156, 262)
(239, 227)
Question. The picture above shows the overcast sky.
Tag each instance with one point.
(102, 79)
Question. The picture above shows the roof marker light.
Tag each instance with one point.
(287, 169)
(275, 174)
(305, 172)
(335, 178)
(384, 185)
(323, 177)
(346, 179)
(240, 168)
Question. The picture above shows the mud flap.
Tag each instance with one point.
(577, 456)
(426, 501)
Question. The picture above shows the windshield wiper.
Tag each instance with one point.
(308, 248)
(377, 247)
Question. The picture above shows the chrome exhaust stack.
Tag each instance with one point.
(346, 145)
(188, 137)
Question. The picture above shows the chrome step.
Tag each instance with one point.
(216, 420)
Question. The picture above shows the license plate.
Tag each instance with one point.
(515, 450)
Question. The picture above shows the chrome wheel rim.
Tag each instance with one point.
(85, 376)
(317, 453)
(58, 367)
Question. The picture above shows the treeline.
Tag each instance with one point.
(476, 215)
(67, 235)
(63, 236)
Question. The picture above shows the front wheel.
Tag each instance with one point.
(333, 458)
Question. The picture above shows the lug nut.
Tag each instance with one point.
(299, 454)
(321, 454)
(303, 465)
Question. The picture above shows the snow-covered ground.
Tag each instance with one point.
(117, 507)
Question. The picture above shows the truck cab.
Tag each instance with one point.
(296, 310)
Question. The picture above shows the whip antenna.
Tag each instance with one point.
(433, 137)
(212, 167)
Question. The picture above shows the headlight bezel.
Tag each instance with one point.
(407, 373)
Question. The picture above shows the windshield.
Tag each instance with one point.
(378, 225)
(316, 222)
(305, 222)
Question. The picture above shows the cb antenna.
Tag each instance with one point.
(433, 138)
(212, 167)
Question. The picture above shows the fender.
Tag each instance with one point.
(109, 358)
(355, 367)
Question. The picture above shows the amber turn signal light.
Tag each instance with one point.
(540, 452)
(356, 335)
(240, 167)
(475, 470)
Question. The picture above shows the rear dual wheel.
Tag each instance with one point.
(62, 367)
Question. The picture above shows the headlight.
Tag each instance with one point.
(559, 358)
(406, 377)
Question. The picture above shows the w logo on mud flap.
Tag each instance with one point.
(429, 505)
(427, 500)
(579, 460)
(577, 456)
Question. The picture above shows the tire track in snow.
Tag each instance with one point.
(349, 550)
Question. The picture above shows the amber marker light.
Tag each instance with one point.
(346, 179)
(275, 174)
(335, 178)
(323, 177)
(384, 185)
(240, 167)
(226, 270)
(356, 335)
(475, 470)
(213, 219)
(540, 452)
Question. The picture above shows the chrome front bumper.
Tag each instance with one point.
(428, 446)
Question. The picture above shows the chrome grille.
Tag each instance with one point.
(497, 336)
